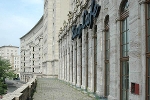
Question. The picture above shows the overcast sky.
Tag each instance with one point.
(17, 17)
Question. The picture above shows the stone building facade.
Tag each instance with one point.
(11, 53)
(39, 47)
(31, 52)
(104, 48)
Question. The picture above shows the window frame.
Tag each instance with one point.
(124, 14)
(147, 3)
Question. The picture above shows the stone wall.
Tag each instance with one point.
(25, 92)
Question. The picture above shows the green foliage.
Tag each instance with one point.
(3, 88)
(5, 72)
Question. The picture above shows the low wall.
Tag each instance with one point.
(25, 92)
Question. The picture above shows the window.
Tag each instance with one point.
(95, 57)
(148, 50)
(33, 62)
(124, 49)
(107, 52)
(33, 48)
(32, 69)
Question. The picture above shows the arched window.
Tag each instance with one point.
(148, 50)
(107, 52)
(124, 50)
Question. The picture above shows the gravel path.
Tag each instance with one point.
(54, 89)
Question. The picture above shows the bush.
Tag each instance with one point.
(3, 88)
(2, 91)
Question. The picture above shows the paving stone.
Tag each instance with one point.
(54, 89)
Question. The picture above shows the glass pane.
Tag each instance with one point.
(126, 6)
(107, 35)
(149, 43)
(127, 36)
(127, 84)
(128, 94)
(149, 86)
(124, 51)
(148, 27)
(107, 45)
(127, 68)
(127, 22)
(123, 25)
(108, 77)
(124, 38)
(124, 95)
(107, 54)
(148, 10)
(123, 82)
(107, 90)
(148, 66)
(127, 50)
(123, 68)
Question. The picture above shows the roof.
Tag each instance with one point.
(33, 27)
(9, 46)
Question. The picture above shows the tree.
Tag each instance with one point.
(5, 72)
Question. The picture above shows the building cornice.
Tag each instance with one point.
(41, 19)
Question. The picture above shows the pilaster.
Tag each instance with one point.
(79, 59)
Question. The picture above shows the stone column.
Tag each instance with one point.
(59, 75)
(100, 60)
(90, 62)
(79, 59)
(63, 66)
(84, 60)
(71, 63)
(143, 45)
(68, 65)
(135, 48)
(68, 74)
(114, 87)
(91, 32)
(74, 62)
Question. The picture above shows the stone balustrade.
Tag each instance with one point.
(25, 92)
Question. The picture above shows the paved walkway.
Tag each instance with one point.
(54, 89)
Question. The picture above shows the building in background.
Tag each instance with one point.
(11, 53)
(31, 52)
(39, 47)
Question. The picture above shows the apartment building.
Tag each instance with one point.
(31, 52)
(11, 53)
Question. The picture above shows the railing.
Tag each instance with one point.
(25, 92)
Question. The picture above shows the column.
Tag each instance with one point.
(79, 59)
(59, 75)
(68, 65)
(114, 88)
(63, 66)
(84, 60)
(100, 62)
(74, 62)
(91, 62)
(71, 63)
(68, 59)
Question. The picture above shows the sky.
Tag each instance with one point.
(18, 17)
